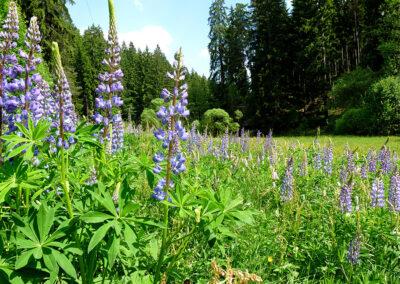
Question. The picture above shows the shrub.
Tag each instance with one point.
(238, 115)
(355, 121)
(384, 101)
(216, 121)
(351, 89)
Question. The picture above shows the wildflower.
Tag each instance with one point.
(109, 88)
(224, 145)
(378, 193)
(371, 159)
(345, 198)
(353, 253)
(318, 160)
(385, 160)
(394, 193)
(173, 131)
(328, 159)
(304, 165)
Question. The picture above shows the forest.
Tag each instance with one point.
(330, 64)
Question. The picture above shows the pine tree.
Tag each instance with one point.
(270, 63)
(217, 49)
(237, 37)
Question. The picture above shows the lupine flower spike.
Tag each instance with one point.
(110, 86)
(8, 38)
(173, 130)
(345, 201)
(66, 118)
(353, 254)
(378, 193)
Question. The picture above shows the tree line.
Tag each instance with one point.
(309, 66)
(322, 63)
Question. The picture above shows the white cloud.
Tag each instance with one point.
(149, 36)
(138, 4)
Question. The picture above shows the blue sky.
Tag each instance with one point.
(169, 23)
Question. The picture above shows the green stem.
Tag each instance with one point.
(65, 184)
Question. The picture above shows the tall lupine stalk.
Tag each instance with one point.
(66, 122)
(8, 38)
(172, 133)
(109, 88)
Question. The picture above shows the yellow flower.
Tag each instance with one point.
(270, 259)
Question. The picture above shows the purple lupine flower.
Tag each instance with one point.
(350, 161)
(243, 140)
(318, 160)
(9, 67)
(268, 141)
(378, 193)
(109, 88)
(304, 166)
(345, 201)
(173, 131)
(353, 253)
(288, 182)
(385, 160)
(371, 159)
(394, 193)
(328, 159)
(224, 145)
(363, 171)
(117, 134)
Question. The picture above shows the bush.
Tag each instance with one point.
(350, 90)
(384, 101)
(357, 121)
(238, 115)
(217, 121)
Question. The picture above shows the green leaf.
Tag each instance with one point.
(38, 253)
(45, 219)
(17, 151)
(50, 262)
(99, 235)
(113, 251)
(96, 217)
(23, 260)
(5, 187)
(106, 202)
(64, 263)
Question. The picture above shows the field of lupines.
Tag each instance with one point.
(79, 204)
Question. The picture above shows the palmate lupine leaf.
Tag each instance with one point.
(35, 241)
(32, 136)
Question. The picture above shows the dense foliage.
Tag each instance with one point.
(296, 56)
